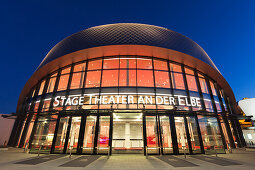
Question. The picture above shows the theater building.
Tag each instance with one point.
(127, 88)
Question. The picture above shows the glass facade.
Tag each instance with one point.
(163, 91)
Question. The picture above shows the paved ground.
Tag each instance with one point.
(15, 159)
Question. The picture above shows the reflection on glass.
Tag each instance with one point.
(95, 65)
(51, 85)
(41, 88)
(93, 79)
(160, 65)
(162, 79)
(63, 81)
(192, 125)
(191, 81)
(166, 135)
(79, 67)
(175, 68)
(181, 134)
(61, 135)
(177, 80)
(127, 78)
(210, 133)
(44, 134)
(144, 63)
(77, 80)
(151, 134)
(88, 142)
(74, 134)
(110, 78)
(224, 129)
(111, 63)
(145, 78)
(103, 134)
(127, 63)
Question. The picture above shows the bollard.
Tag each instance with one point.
(215, 151)
(185, 154)
(108, 152)
(70, 151)
(39, 150)
(146, 151)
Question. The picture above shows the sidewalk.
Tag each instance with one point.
(15, 159)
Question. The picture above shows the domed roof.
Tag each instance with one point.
(127, 34)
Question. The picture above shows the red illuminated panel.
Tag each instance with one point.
(79, 67)
(93, 79)
(162, 79)
(111, 63)
(127, 78)
(144, 63)
(160, 65)
(66, 70)
(175, 67)
(63, 81)
(110, 78)
(77, 80)
(192, 85)
(145, 78)
(127, 63)
(95, 65)
(189, 71)
(177, 80)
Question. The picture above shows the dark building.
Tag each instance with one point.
(127, 88)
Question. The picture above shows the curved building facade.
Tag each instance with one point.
(127, 88)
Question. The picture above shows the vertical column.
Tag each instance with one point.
(127, 135)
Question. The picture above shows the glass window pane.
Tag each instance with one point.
(177, 80)
(51, 85)
(111, 63)
(103, 134)
(192, 125)
(162, 79)
(79, 67)
(166, 134)
(93, 79)
(88, 142)
(160, 65)
(95, 65)
(61, 135)
(175, 67)
(41, 87)
(189, 71)
(74, 134)
(191, 81)
(145, 78)
(151, 134)
(110, 78)
(77, 80)
(203, 85)
(63, 81)
(66, 70)
(144, 63)
(44, 134)
(181, 134)
(127, 63)
(213, 88)
(210, 133)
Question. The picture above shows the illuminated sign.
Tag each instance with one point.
(126, 99)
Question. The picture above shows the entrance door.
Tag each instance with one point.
(166, 137)
(68, 134)
(127, 133)
(151, 131)
(89, 135)
(181, 134)
(103, 135)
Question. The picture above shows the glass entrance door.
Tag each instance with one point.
(74, 134)
(181, 134)
(89, 135)
(166, 136)
(61, 134)
(151, 134)
(103, 135)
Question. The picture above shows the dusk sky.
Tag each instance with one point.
(225, 29)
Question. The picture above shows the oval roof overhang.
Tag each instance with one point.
(127, 34)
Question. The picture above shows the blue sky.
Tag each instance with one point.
(225, 29)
